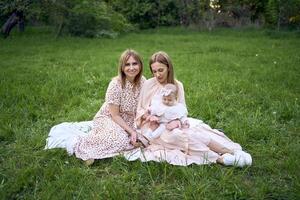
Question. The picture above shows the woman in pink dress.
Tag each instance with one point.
(113, 126)
(198, 144)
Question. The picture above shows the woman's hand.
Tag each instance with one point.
(153, 118)
(133, 138)
(114, 111)
(146, 115)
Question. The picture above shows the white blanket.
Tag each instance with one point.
(65, 135)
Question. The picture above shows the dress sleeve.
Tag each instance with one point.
(141, 107)
(113, 93)
(157, 109)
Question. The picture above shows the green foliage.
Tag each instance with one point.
(148, 14)
(87, 18)
(272, 12)
(95, 19)
(92, 18)
(191, 11)
(244, 82)
(8, 6)
(283, 13)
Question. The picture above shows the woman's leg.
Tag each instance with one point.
(230, 157)
(218, 148)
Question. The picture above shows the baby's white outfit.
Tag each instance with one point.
(165, 115)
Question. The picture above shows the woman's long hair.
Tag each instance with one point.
(163, 58)
(123, 59)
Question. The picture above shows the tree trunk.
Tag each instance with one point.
(279, 15)
(9, 24)
(60, 28)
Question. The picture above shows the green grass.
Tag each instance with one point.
(245, 82)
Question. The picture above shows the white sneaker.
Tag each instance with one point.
(244, 155)
(232, 160)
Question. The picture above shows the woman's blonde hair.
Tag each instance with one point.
(122, 62)
(163, 58)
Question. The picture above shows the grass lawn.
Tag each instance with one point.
(245, 82)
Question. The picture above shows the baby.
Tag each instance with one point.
(165, 110)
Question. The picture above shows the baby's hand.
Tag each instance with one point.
(186, 124)
(173, 124)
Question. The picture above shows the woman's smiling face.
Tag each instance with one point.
(131, 68)
(160, 72)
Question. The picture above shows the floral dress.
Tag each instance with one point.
(107, 138)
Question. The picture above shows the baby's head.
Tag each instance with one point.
(169, 94)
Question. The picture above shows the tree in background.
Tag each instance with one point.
(15, 18)
(12, 14)
(190, 11)
(273, 13)
(108, 18)
(88, 18)
(91, 18)
(148, 13)
(281, 13)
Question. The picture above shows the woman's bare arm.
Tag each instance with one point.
(114, 111)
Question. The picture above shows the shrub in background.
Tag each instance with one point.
(87, 18)
(95, 19)
(108, 18)
(283, 13)
(148, 13)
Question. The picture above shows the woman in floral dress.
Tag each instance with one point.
(113, 126)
